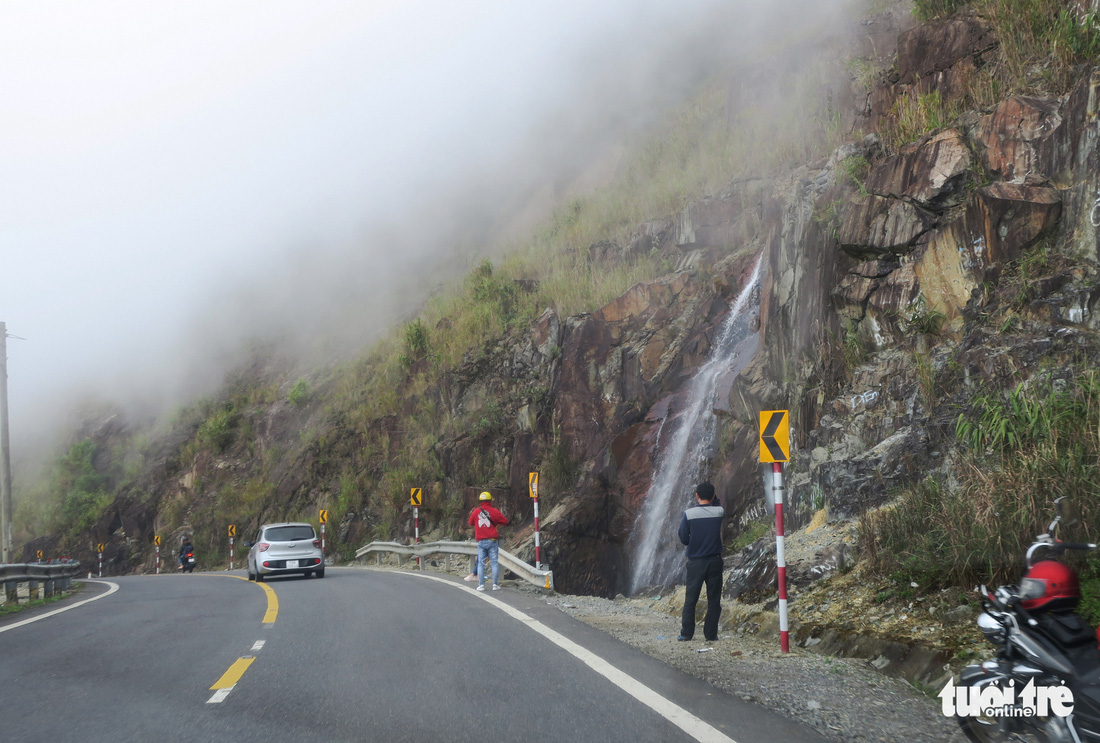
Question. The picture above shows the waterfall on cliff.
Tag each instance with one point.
(691, 435)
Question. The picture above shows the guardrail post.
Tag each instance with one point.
(47, 588)
(11, 592)
(32, 589)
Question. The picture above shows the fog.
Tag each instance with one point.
(178, 178)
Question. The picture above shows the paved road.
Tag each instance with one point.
(361, 655)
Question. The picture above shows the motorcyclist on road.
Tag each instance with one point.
(186, 549)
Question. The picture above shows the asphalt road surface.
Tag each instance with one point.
(360, 655)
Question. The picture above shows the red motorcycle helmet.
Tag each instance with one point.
(1049, 586)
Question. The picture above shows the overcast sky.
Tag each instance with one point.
(173, 174)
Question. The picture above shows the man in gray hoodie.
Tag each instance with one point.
(701, 531)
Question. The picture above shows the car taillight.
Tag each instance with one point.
(316, 542)
(263, 546)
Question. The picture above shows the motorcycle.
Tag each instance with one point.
(1043, 685)
(187, 560)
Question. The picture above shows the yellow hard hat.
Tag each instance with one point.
(485, 495)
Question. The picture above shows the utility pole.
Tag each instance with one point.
(5, 453)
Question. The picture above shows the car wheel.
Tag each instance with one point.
(259, 577)
(320, 573)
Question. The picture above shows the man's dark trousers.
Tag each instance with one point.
(704, 570)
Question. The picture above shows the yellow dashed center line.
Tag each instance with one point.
(229, 679)
(233, 675)
(272, 601)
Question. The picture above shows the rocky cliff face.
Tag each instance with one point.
(871, 325)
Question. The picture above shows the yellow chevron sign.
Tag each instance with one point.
(775, 436)
(416, 496)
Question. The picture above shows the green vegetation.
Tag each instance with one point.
(85, 490)
(856, 170)
(7, 609)
(299, 393)
(1025, 448)
(926, 10)
(749, 534)
(924, 319)
(1041, 45)
(217, 431)
(915, 113)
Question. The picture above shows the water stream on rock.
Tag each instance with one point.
(691, 437)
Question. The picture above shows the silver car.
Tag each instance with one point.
(283, 549)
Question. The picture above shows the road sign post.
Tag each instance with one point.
(775, 447)
(232, 534)
(99, 549)
(156, 542)
(324, 520)
(533, 486)
(416, 496)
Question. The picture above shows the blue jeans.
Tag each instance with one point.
(487, 548)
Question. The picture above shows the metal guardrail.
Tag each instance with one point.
(540, 578)
(51, 577)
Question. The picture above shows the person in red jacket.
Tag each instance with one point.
(485, 519)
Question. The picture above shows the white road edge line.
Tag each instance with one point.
(112, 589)
(674, 713)
(220, 695)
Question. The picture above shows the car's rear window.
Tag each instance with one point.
(288, 533)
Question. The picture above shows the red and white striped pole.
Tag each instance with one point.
(533, 486)
(416, 532)
(100, 565)
(780, 556)
(158, 560)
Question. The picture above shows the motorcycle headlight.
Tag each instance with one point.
(993, 630)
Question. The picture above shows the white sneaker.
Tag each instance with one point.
(496, 587)
(481, 588)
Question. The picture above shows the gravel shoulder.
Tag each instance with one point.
(843, 699)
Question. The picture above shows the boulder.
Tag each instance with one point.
(931, 172)
(707, 222)
(1010, 138)
(935, 48)
(999, 223)
(872, 226)
(866, 480)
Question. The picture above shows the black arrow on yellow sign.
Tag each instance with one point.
(415, 496)
(774, 436)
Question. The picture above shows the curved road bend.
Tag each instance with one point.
(361, 655)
